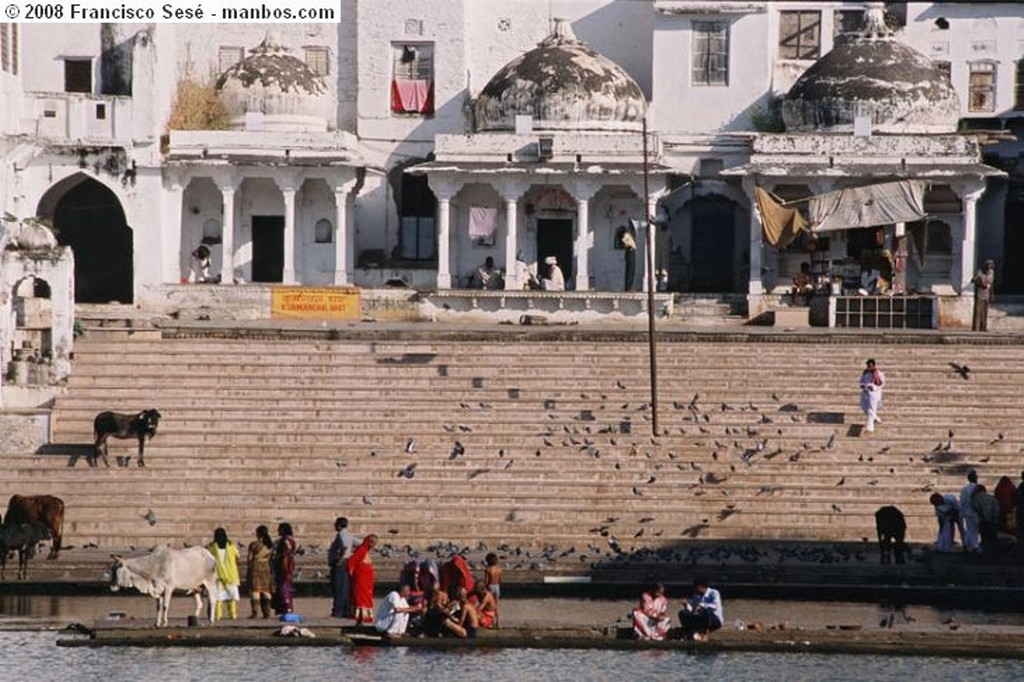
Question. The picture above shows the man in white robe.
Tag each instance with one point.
(872, 381)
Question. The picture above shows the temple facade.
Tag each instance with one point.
(407, 143)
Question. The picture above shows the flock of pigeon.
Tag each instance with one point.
(717, 446)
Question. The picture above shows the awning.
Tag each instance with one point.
(868, 206)
(780, 225)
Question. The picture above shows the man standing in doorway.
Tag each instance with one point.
(628, 242)
(983, 295)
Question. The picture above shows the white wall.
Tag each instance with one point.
(680, 106)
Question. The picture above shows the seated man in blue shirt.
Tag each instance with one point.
(702, 614)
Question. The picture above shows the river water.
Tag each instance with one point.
(31, 654)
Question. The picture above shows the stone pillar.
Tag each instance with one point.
(227, 234)
(968, 256)
(344, 256)
(173, 268)
(756, 284)
(444, 234)
(512, 243)
(582, 246)
(288, 276)
(649, 236)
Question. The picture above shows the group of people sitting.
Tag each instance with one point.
(700, 616)
(443, 601)
(488, 277)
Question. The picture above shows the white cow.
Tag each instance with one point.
(164, 570)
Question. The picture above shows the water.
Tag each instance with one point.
(32, 656)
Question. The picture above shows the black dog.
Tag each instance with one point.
(141, 426)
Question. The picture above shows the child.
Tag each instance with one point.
(492, 579)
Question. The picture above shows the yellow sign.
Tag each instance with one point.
(309, 303)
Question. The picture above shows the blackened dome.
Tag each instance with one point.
(563, 85)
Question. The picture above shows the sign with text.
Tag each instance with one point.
(314, 303)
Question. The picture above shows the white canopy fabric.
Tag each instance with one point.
(880, 204)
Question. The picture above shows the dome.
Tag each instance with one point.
(872, 73)
(289, 94)
(564, 85)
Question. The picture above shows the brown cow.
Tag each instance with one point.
(38, 510)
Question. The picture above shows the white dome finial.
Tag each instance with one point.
(562, 32)
(874, 21)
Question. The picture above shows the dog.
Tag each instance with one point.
(107, 424)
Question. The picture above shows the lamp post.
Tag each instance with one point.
(651, 338)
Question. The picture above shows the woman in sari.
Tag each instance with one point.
(258, 572)
(361, 578)
(284, 568)
(650, 619)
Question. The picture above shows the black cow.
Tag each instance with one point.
(23, 537)
(38, 510)
(107, 424)
(892, 532)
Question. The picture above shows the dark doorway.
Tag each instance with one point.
(1013, 244)
(711, 248)
(554, 238)
(89, 219)
(267, 248)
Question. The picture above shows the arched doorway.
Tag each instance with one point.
(712, 244)
(88, 217)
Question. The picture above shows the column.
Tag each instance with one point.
(444, 231)
(174, 268)
(288, 276)
(650, 241)
(582, 246)
(756, 285)
(344, 257)
(227, 232)
(968, 257)
(512, 243)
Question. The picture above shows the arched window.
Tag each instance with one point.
(323, 231)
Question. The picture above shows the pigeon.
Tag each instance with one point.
(620, 385)
(841, 481)
(476, 472)
(408, 472)
(835, 508)
(410, 446)
(508, 464)
(367, 500)
(457, 450)
(831, 441)
(963, 370)
(150, 517)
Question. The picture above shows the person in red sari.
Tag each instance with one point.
(361, 579)
(283, 563)
(650, 618)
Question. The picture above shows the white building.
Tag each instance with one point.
(355, 153)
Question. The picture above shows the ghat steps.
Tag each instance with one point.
(556, 434)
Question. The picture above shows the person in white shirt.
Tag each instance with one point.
(555, 281)
(971, 536)
(392, 615)
(703, 613)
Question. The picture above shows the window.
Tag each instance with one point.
(799, 35)
(101, 112)
(847, 21)
(418, 209)
(946, 69)
(710, 53)
(412, 86)
(1018, 91)
(982, 87)
(228, 57)
(323, 231)
(939, 238)
(316, 59)
(77, 75)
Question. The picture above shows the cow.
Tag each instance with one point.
(23, 537)
(892, 531)
(142, 425)
(165, 570)
(38, 510)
